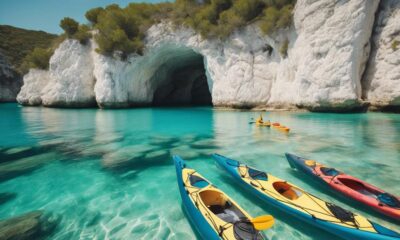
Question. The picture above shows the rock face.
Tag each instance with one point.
(329, 55)
(321, 69)
(382, 78)
(32, 91)
(68, 83)
(10, 81)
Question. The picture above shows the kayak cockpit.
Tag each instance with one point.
(389, 200)
(287, 190)
(359, 187)
(257, 175)
(198, 181)
(329, 171)
(220, 205)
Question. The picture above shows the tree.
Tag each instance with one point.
(248, 9)
(38, 58)
(83, 34)
(93, 14)
(69, 25)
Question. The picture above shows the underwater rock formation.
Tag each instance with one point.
(6, 197)
(328, 48)
(32, 225)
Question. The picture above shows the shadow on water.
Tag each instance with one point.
(311, 231)
(338, 197)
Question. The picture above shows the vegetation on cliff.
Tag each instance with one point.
(395, 44)
(123, 29)
(76, 31)
(17, 43)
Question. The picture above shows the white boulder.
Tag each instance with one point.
(35, 82)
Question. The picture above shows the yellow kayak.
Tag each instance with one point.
(280, 127)
(214, 214)
(263, 124)
(303, 205)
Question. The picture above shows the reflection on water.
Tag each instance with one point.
(109, 174)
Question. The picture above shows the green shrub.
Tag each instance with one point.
(83, 34)
(93, 14)
(395, 44)
(248, 9)
(284, 47)
(69, 25)
(16, 43)
(274, 18)
(123, 29)
(73, 30)
(38, 58)
(117, 31)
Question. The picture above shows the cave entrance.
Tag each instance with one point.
(182, 80)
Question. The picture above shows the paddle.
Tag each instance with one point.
(263, 222)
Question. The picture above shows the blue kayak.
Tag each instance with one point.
(213, 213)
(304, 206)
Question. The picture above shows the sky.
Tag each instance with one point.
(46, 14)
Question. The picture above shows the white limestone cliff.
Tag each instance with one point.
(35, 82)
(382, 78)
(327, 54)
(71, 76)
(328, 57)
(69, 82)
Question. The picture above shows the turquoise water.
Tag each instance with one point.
(108, 173)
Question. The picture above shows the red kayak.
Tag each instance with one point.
(349, 186)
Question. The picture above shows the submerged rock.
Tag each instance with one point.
(5, 197)
(185, 152)
(156, 155)
(15, 153)
(204, 144)
(25, 165)
(33, 225)
(127, 155)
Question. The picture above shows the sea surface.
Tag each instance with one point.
(108, 174)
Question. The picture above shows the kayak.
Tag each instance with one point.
(213, 213)
(349, 186)
(280, 127)
(263, 124)
(304, 206)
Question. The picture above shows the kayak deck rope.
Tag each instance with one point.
(219, 229)
(308, 210)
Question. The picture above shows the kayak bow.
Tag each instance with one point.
(304, 206)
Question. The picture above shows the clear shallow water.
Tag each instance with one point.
(84, 177)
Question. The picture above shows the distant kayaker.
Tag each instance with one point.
(260, 119)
